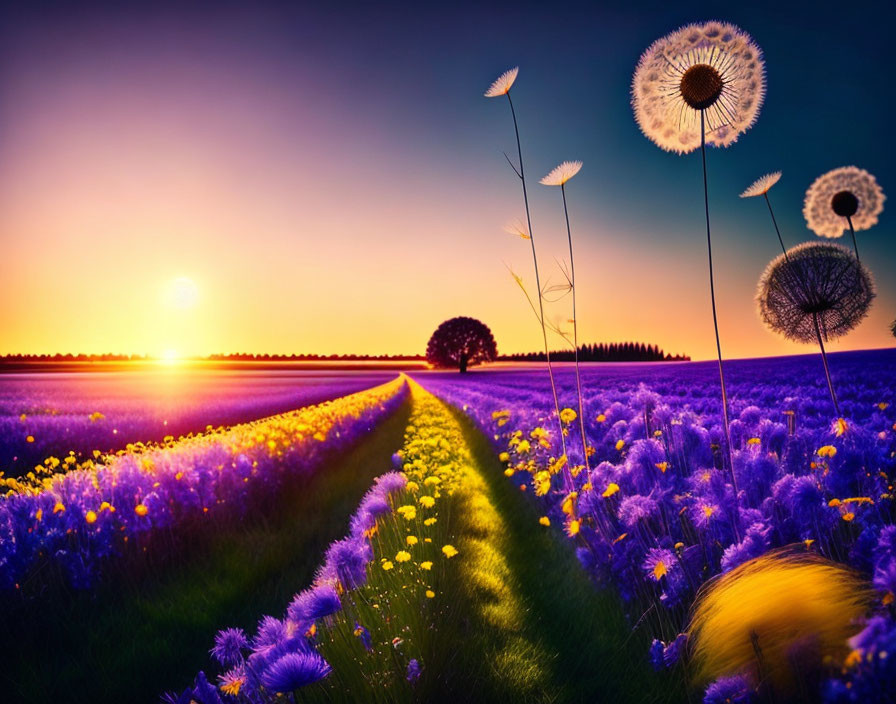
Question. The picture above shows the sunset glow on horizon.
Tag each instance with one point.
(230, 182)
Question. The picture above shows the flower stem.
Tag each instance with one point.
(824, 359)
(775, 223)
(575, 332)
(715, 318)
(547, 353)
(855, 245)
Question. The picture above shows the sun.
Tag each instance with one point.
(182, 293)
(170, 357)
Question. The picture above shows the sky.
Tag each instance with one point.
(187, 178)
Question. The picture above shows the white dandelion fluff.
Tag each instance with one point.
(762, 185)
(814, 284)
(840, 198)
(712, 69)
(559, 175)
(502, 84)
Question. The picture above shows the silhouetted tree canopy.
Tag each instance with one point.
(461, 342)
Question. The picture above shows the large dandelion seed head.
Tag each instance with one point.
(762, 185)
(714, 68)
(847, 192)
(559, 175)
(502, 83)
(814, 281)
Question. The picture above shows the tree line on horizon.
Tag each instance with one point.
(602, 352)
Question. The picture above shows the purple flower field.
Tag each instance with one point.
(655, 514)
(83, 412)
(73, 522)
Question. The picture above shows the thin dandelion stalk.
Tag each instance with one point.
(852, 231)
(712, 297)
(775, 223)
(559, 176)
(824, 361)
(502, 87)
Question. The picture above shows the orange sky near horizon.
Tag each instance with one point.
(320, 220)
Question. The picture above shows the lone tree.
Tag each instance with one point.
(460, 342)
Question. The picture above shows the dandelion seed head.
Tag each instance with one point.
(762, 185)
(561, 173)
(814, 280)
(502, 84)
(847, 192)
(714, 68)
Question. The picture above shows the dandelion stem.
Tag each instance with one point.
(852, 231)
(715, 318)
(715, 322)
(824, 359)
(547, 353)
(575, 331)
(775, 223)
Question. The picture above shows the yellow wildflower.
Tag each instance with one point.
(620, 444)
(611, 489)
(427, 501)
(449, 550)
(387, 565)
(545, 521)
(141, 509)
(402, 556)
(411, 540)
(430, 594)
(427, 565)
(568, 415)
(826, 451)
(90, 517)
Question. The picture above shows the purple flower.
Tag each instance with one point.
(754, 544)
(391, 482)
(271, 631)
(413, 670)
(204, 691)
(659, 563)
(347, 560)
(314, 603)
(295, 670)
(729, 690)
(674, 652)
(633, 509)
(229, 644)
(656, 655)
(363, 635)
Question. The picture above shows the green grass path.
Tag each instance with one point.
(133, 643)
(548, 635)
